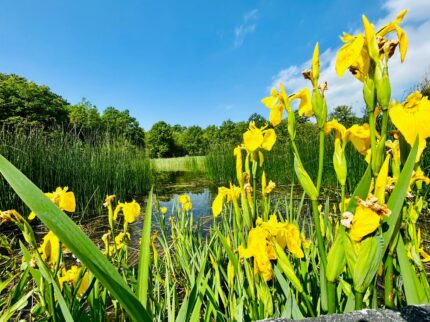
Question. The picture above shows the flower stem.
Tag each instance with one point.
(321, 248)
(358, 300)
(372, 133)
(320, 160)
(384, 123)
(342, 205)
(331, 299)
(388, 282)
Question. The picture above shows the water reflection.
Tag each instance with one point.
(169, 185)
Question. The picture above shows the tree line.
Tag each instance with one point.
(24, 104)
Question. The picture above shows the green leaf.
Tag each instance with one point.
(362, 189)
(73, 237)
(414, 291)
(229, 252)
(143, 275)
(397, 198)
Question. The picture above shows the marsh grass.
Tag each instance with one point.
(279, 163)
(91, 171)
(195, 164)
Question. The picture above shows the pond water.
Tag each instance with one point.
(169, 185)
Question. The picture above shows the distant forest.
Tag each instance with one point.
(25, 106)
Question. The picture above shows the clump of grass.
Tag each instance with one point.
(92, 171)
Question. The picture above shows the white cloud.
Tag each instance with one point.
(247, 26)
(347, 90)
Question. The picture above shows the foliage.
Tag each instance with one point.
(24, 102)
(92, 171)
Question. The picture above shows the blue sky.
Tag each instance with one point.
(188, 62)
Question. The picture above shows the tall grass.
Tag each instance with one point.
(187, 164)
(91, 171)
(279, 163)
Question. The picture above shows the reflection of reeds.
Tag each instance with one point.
(91, 171)
(188, 164)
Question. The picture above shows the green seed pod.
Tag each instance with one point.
(339, 162)
(336, 260)
(368, 261)
(382, 85)
(369, 93)
(319, 107)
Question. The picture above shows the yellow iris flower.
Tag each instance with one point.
(50, 248)
(355, 55)
(256, 138)
(367, 218)
(359, 135)
(130, 210)
(278, 101)
(231, 194)
(185, 202)
(72, 277)
(412, 119)
(64, 199)
(260, 245)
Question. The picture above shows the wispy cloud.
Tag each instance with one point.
(347, 90)
(247, 26)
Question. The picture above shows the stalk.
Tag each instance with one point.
(331, 299)
(372, 133)
(358, 300)
(342, 205)
(384, 123)
(321, 248)
(388, 283)
(254, 185)
(320, 160)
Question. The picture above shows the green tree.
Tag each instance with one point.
(24, 102)
(193, 141)
(84, 116)
(160, 140)
(120, 123)
(344, 114)
(258, 119)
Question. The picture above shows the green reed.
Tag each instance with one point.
(92, 171)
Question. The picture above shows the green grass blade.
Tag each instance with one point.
(145, 254)
(73, 237)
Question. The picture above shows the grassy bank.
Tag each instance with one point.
(91, 171)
